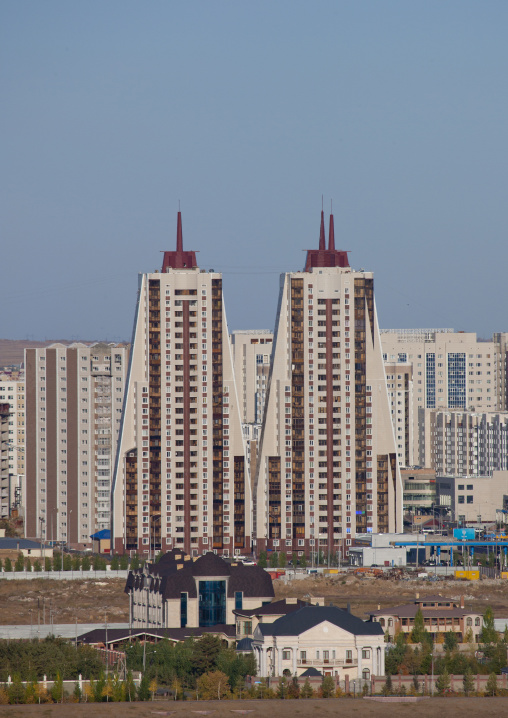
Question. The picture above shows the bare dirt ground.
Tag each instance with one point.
(347, 708)
(365, 594)
(88, 601)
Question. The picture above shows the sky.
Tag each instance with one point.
(245, 114)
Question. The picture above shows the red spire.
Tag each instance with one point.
(331, 236)
(322, 242)
(179, 259)
(323, 257)
(179, 240)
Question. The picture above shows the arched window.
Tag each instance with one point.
(366, 674)
(382, 622)
(469, 621)
(390, 621)
(477, 621)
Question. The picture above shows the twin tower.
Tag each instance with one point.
(326, 466)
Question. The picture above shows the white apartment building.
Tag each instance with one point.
(399, 384)
(463, 443)
(74, 399)
(181, 478)
(450, 370)
(327, 464)
(12, 490)
(252, 351)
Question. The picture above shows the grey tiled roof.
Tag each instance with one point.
(300, 621)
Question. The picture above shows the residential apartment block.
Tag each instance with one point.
(74, 399)
(181, 479)
(327, 464)
(450, 370)
(463, 443)
(12, 490)
(252, 351)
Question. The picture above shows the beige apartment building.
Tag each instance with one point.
(450, 370)
(74, 399)
(181, 478)
(463, 443)
(327, 464)
(12, 484)
(252, 351)
(399, 384)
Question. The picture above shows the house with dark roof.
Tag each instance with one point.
(184, 592)
(326, 638)
(440, 615)
(248, 618)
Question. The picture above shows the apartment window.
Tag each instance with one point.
(461, 500)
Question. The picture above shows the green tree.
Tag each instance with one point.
(159, 556)
(262, 561)
(491, 687)
(48, 565)
(282, 559)
(274, 559)
(67, 562)
(8, 565)
(124, 562)
(76, 562)
(144, 689)
(37, 566)
(327, 688)
(303, 561)
(16, 690)
(418, 632)
(450, 640)
(294, 559)
(387, 688)
(85, 563)
(281, 688)
(488, 633)
(57, 691)
(443, 683)
(20, 563)
(115, 562)
(294, 688)
(135, 562)
(77, 692)
(205, 654)
(467, 682)
(57, 561)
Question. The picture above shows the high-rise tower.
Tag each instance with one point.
(180, 476)
(327, 467)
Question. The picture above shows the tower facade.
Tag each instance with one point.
(180, 475)
(327, 465)
(74, 398)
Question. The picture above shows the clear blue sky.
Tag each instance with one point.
(113, 111)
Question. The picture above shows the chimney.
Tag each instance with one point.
(378, 606)
(462, 601)
(417, 596)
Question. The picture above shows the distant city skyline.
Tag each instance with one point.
(116, 115)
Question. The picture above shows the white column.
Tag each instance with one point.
(279, 661)
(295, 649)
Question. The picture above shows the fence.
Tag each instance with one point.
(427, 684)
(79, 575)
